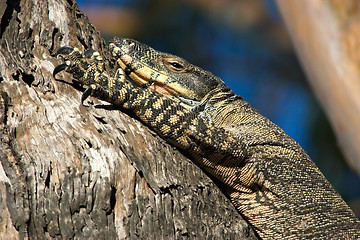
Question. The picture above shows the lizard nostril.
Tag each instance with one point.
(130, 42)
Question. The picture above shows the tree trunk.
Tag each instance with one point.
(326, 35)
(69, 171)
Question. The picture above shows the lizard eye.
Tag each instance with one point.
(130, 42)
(175, 65)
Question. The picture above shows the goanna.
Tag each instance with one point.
(268, 177)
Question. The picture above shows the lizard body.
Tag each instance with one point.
(265, 173)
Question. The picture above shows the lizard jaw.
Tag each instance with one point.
(141, 78)
(145, 76)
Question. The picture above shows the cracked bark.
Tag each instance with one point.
(68, 171)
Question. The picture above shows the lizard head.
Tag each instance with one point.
(162, 72)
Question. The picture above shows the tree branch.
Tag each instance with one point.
(69, 171)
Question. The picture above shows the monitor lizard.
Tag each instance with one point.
(268, 177)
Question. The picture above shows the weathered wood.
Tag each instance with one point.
(326, 35)
(69, 171)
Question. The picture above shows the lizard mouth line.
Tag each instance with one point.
(141, 80)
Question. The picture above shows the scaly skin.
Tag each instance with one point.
(266, 174)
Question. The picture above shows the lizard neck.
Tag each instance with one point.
(220, 106)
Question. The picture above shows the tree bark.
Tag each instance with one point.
(69, 171)
(326, 35)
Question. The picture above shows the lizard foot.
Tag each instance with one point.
(88, 69)
(82, 66)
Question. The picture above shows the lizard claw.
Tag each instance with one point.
(60, 68)
(65, 50)
(89, 53)
(87, 93)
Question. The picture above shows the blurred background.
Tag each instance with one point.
(244, 42)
